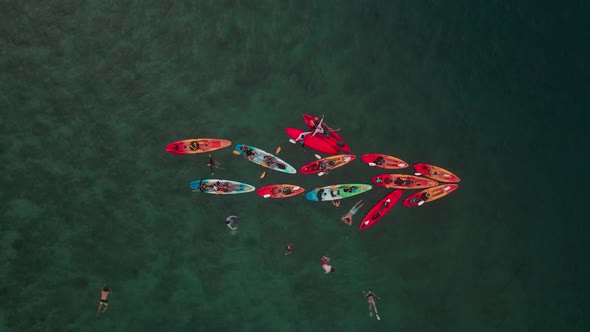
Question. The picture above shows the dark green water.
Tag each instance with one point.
(92, 91)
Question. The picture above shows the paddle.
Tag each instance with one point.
(278, 150)
(292, 141)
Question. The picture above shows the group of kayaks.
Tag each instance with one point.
(435, 182)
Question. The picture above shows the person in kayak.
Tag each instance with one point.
(194, 146)
(230, 221)
(289, 249)
(379, 160)
(248, 153)
(327, 268)
(347, 219)
(270, 161)
(301, 138)
(319, 128)
(213, 163)
(323, 167)
(372, 306)
(401, 182)
(105, 291)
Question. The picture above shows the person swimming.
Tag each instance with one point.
(213, 163)
(105, 291)
(327, 268)
(372, 306)
(289, 250)
(347, 219)
(230, 221)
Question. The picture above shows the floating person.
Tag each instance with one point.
(348, 217)
(372, 306)
(213, 163)
(325, 266)
(336, 202)
(230, 221)
(105, 291)
(289, 249)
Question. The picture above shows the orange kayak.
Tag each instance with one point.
(403, 181)
(430, 194)
(327, 164)
(280, 191)
(436, 173)
(197, 145)
(383, 161)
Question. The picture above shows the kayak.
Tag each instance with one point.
(264, 159)
(337, 191)
(380, 209)
(312, 142)
(430, 194)
(327, 164)
(197, 145)
(280, 191)
(402, 181)
(383, 161)
(436, 173)
(329, 135)
(221, 187)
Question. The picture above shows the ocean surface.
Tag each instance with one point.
(92, 91)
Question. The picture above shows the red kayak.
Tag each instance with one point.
(329, 134)
(380, 209)
(430, 194)
(280, 191)
(383, 161)
(436, 173)
(312, 142)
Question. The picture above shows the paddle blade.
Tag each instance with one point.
(278, 150)
(318, 156)
(292, 141)
(321, 173)
(420, 203)
(263, 174)
(236, 153)
(401, 165)
(372, 164)
(296, 188)
(266, 195)
(417, 174)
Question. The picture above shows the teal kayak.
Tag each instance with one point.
(337, 191)
(264, 159)
(221, 187)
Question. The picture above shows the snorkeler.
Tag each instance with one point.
(289, 249)
(347, 219)
(105, 291)
(213, 163)
(230, 221)
(371, 299)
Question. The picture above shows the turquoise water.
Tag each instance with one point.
(91, 92)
